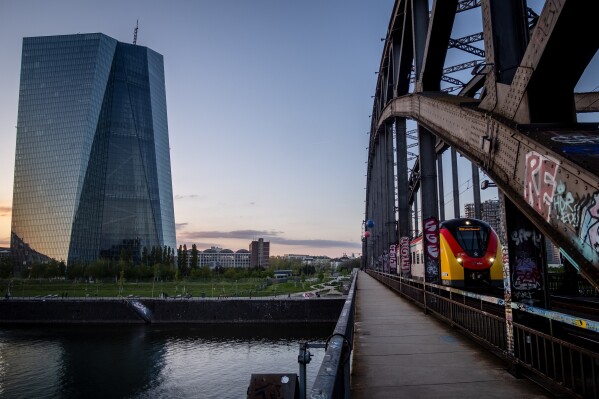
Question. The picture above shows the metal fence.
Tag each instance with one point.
(556, 350)
(333, 378)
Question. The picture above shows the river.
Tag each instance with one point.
(199, 361)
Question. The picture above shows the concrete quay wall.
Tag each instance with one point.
(123, 311)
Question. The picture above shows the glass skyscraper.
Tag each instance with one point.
(92, 166)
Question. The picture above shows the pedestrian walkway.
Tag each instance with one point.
(400, 352)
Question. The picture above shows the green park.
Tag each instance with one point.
(120, 279)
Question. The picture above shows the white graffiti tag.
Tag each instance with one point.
(576, 139)
(565, 206)
(589, 222)
(521, 235)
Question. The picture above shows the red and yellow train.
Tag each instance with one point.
(470, 254)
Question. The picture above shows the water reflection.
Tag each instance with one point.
(148, 361)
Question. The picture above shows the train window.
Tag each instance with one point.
(472, 239)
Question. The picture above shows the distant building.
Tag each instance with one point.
(309, 259)
(491, 213)
(553, 255)
(219, 257)
(259, 253)
(92, 168)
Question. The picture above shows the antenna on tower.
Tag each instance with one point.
(135, 32)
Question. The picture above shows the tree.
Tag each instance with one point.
(6, 268)
(194, 256)
(144, 256)
(62, 268)
(184, 260)
(180, 257)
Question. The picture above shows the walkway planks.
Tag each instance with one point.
(399, 352)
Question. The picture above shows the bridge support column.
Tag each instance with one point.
(403, 206)
(441, 188)
(430, 219)
(454, 179)
(476, 192)
(527, 259)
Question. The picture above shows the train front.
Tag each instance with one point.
(470, 254)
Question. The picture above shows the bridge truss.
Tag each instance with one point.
(516, 119)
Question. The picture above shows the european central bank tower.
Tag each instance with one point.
(92, 164)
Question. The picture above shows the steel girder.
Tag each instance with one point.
(548, 171)
(540, 170)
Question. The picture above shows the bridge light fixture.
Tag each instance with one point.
(486, 184)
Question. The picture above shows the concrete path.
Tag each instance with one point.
(399, 352)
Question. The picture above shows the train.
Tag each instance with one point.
(470, 254)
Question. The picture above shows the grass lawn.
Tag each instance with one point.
(208, 287)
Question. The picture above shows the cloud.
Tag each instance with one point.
(180, 225)
(178, 197)
(273, 236)
(235, 234)
(317, 243)
(5, 210)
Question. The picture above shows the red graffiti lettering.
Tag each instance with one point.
(404, 243)
(539, 181)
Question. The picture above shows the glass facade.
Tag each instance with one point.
(92, 167)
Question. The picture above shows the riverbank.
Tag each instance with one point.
(157, 311)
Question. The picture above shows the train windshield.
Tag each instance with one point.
(472, 239)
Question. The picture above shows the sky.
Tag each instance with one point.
(268, 109)
(268, 103)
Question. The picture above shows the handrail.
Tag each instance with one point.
(332, 380)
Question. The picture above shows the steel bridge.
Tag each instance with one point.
(516, 120)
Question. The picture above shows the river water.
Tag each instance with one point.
(149, 361)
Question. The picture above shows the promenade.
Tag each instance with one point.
(400, 352)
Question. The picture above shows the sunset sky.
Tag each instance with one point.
(268, 108)
(268, 104)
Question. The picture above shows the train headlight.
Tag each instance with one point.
(491, 259)
(459, 259)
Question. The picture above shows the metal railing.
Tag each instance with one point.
(333, 378)
(556, 350)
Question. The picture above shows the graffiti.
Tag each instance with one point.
(576, 139)
(522, 235)
(539, 181)
(565, 206)
(393, 258)
(580, 323)
(431, 248)
(561, 317)
(589, 221)
(592, 149)
(431, 232)
(527, 276)
(432, 269)
(404, 245)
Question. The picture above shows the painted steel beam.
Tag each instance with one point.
(587, 102)
(435, 50)
(550, 69)
(551, 175)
